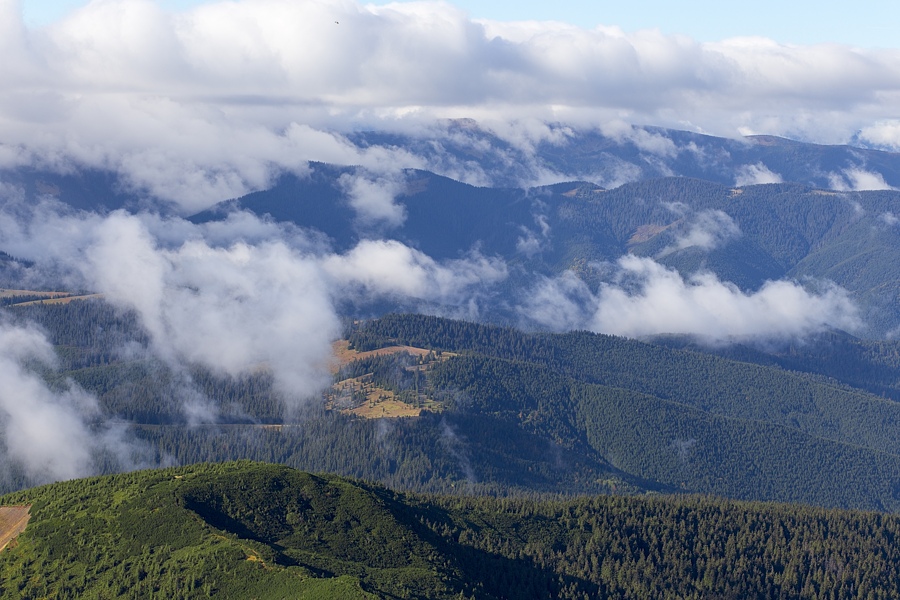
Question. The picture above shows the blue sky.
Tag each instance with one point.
(870, 23)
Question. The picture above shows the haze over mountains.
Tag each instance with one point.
(237, 203)
(737, 212)
(226, 318)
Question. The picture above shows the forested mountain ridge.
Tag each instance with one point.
(682, 418)
(518, 413)
(247, 529)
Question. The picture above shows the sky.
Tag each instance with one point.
(868, 24)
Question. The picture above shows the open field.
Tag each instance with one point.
(344, 355)
(30, 297)
(58, 300)
(384, 409)
(13, 520)
(379, 403)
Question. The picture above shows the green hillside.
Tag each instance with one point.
(685, 419)
(251, 530)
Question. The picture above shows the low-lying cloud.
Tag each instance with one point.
(233, 305)
(755, 174)
(707, 230)
(390, 268)
(231, 309)
(857, 180)
(646, 298)
(50, 434)
(372, 197)
(206, 104)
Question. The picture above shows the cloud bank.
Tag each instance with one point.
(756, 174)
(210, 103)
(707, 230)
(857, 180)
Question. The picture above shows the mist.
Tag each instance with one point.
(237, 295)
(51, 433)
(644, 298)
(197, 106)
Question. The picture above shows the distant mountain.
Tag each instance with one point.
(632, 153)
(465, 151)
(746, 235)
(83, 189)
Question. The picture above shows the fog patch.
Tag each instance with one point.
(373, 198)
(390, 268)
(707, 230)
(231, 309)
(51, 434)
(455, 446)
(857, 180)
(531, 242)
(646, 141)
(889, 218)
(645, 299)
(755, 174)
(883, 134)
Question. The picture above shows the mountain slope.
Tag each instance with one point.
(514, 412)
(242, 530)
(684, 419)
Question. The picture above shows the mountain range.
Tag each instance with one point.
(625, 315)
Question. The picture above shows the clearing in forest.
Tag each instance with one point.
(29, 297)
(13, 520)
(361, 397)
(344, 355)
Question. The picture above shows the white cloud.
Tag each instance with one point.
(373, 197)
(884, 134)
(531, 242)
(755, 174)
(387, 267)
(235, 305)
(649, 299)
(562, 303)
(51, 434)
(653, 143)
(231, 309)
(209, 103)
(857, 180)
(707, 230)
